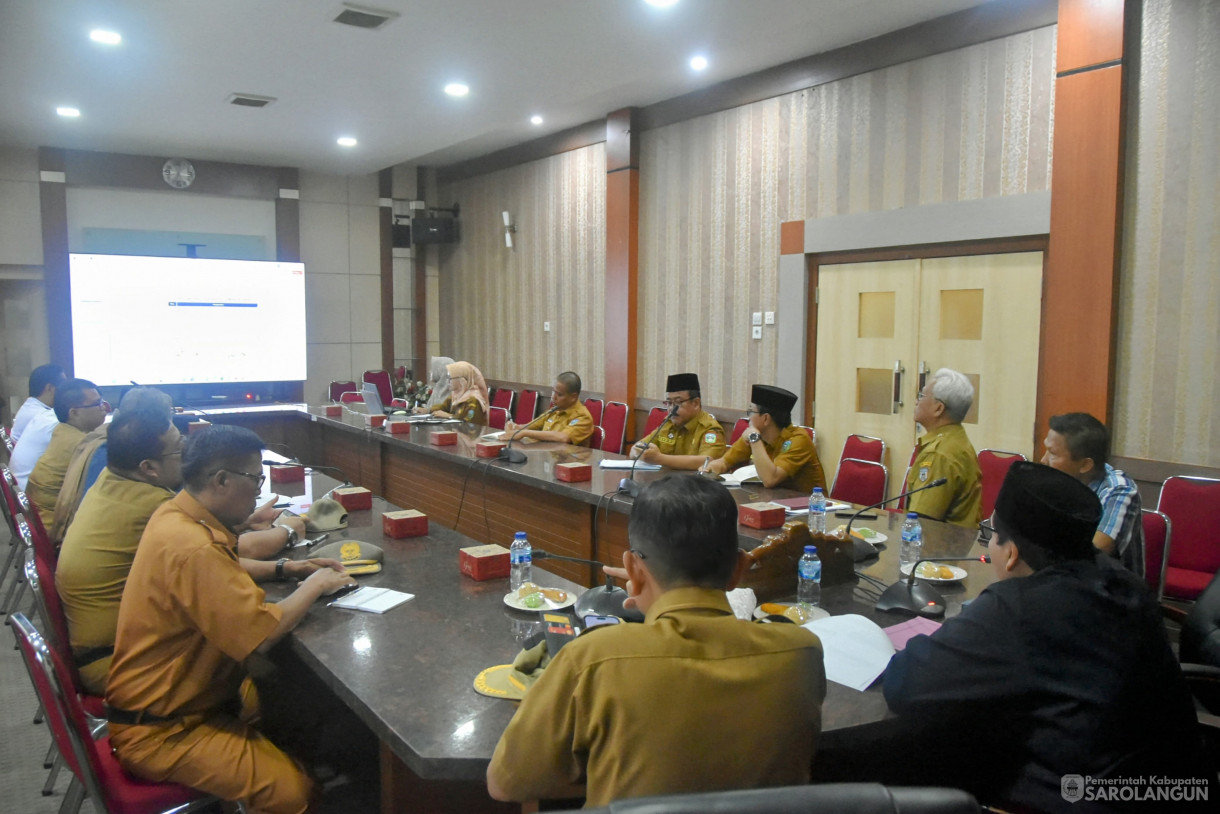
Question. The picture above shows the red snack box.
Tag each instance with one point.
(353, 498)
(405, 523)
(484, 561)
(444, 438)
(488, 449)
(287, 473)
(398, 427)
(765, 515)
(333, 410)
(374, 421)
(573, 472)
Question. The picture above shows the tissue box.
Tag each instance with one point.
(353, 498)
(374, 421)
(332, 410)
(765, 515)
(405, 523)
(398, 427)
(489, 449)
(573, 472)
(287, 473)
(444, 438)
(484, 561)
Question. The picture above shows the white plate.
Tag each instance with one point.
(958, 573)
(512, 601)
(877, 537)
(815, 613)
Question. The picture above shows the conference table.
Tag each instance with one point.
(408, 674)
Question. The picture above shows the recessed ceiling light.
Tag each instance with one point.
(535, 120)
(105, 37)
(661, 3)
(698, 63)
(457, 89)
(67, 112)
(346, 141)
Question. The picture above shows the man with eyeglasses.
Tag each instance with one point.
(693, 699)
(689, 437)
(783, 454)
(177, 697)
(944, 451)
(567, 421)
(80, 410)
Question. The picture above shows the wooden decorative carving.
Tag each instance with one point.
(772, 572)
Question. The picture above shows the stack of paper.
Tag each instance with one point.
(373, 600)
(856, 651)
(623, 463)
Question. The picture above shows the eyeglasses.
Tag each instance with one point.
(258, 480)
(751, 411)
(675, 402)
(99, 403)
(638, 553)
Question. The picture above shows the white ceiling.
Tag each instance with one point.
(163, 90)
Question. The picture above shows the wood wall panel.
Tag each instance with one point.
(1090, 33)
(622, 259)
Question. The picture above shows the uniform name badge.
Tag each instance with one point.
(923, 474)
(710, 438)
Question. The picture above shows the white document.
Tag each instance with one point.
(739, 476)
(832, 506)
(856, 650)
(373, 600)
(609, 463)
(492, 436)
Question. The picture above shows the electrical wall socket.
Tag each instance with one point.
(756, 319)
(769, 317)
(546, 327)
(756, 332)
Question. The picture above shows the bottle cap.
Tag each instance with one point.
(817, 490)
(519, 535)
(912, 516)
(811, 549)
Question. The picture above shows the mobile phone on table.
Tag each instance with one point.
(594, 620)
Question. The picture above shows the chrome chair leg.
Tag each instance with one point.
(48, 788)
(52, 754)
(73, 798)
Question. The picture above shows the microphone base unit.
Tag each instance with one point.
(914, 600)
(513, 456)
(631, 487)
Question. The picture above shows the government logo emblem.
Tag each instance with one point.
(1071, 786)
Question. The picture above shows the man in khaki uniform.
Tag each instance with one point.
(689, 438)
(605, 711)
(783, 454)
(80, 410)
(944, 451)
(567, 421)
(191, 614)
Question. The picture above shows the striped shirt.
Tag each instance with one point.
(1120, 517)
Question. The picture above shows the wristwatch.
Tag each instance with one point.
(752, 437)
(292, 536)
(279, 569)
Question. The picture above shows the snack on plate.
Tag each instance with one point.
(862, 532)
(773, 608)
(529, 589)
(797, 614)
(932, 570)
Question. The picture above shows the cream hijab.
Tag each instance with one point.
(470, 384)
(439, 377)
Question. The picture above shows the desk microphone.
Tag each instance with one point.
(863, 549)
(600, 600)
(295, 462)
(516, 456)
(918, 599)
(628, 483)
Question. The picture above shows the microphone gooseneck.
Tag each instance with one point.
(862, 549)
(628, 484)
(516, 456)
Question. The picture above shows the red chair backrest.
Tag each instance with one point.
(351, 397)
(598, 438)
(398, 404)
(864, 448)
(1193, 505)
(56, 700)
(497, 417)
(381, 378)
(738, 430)
(859, 482)
(527, 407)
(41, 577)
(595, 408)
(1158, 530)
(994, 464)
(614, 422)
(8, 484)
(337, 389)
(503, 398)
(656, 417)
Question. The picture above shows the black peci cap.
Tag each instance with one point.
(1050, 508)
(772, 397)
(678, 382)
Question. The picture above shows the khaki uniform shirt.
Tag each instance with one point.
(469, 410)
(947, 453)
(190, 615)
(72, 492)
(94, 562)
(793, 452)
(692, 700)
(575, 422)
(700, 435)
(48, 475)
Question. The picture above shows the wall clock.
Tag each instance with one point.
(178, 173)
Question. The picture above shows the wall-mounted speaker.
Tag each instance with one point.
(400, 235)
(433, 230)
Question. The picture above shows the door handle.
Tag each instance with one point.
(897, 394)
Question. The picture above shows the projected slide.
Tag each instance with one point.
(170, 320)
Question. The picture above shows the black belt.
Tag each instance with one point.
(125, 716)
(84, 658)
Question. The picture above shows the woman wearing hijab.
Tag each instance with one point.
(438, 377)
(468, 399)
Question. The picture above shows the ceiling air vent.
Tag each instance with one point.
(249, 100)
(362, 17)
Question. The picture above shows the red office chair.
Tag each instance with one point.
(859, 482)
(96, 771)
(994, 464)
(598, 438)
(381, 378)
(811, 432)
(864, 448)
(504, 398)
(595, 408)
(399, 404)
(21, 511)
(527, 407)
(8, 441)
(1158, 530)
(351, 397)
(497, 417)
(1193, 505)
(656, 417)
(739, 430)
(614, 422)
(337, 389)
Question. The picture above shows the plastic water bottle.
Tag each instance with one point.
(809, 577)
(912, 542)
(817, 511)
(521, 556)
